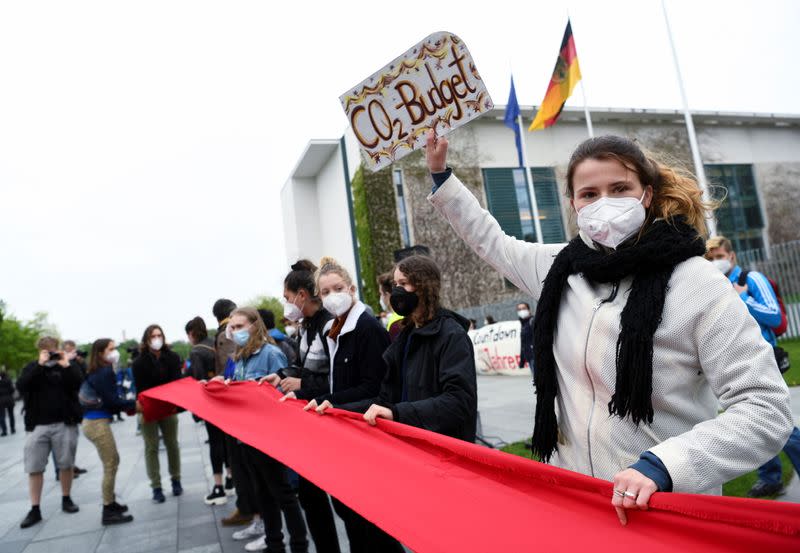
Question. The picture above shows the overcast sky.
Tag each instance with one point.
(143, 144)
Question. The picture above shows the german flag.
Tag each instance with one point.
(565, 76)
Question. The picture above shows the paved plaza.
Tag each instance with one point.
(186, 524)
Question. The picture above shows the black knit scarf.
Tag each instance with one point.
(650, 261)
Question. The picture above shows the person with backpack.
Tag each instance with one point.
(766, 306)
(100, 400)
(202, 366)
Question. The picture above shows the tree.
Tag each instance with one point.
(272, 304)
(18, 341)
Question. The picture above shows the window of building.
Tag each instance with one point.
(509, 202)
(402, 214)
(739, 217)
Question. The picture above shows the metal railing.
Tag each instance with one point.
(781, 263)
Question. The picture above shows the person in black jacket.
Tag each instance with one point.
(202, 366)
(525, 335)
(6, 404)
(307, 379)
(431, 380)
(157, 364)
(49, 388)
(356, 342)
(103, 403)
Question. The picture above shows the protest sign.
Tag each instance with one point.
(497, 348)
(434, 85)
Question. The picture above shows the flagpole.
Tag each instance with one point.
(589, 126)
(698, 161)
(586, 111)
(529, 177)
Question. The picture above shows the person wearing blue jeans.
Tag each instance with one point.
(762, 302)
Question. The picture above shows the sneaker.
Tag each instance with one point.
(68, 506)
(236, 518)
(158, 495)
(117, 507)
(216, 497)
(112, 516)
(33, 516)
(78, 470)
(765, 489)
(259, 544)
(230, 489)
(177, 489)
(253, 531)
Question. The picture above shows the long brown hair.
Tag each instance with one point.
(675, 189)
(423, 273)
(144, 347)
(258, 333)
(96, 358)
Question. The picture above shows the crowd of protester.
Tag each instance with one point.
(630, 319)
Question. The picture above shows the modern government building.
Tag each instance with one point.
(334, 206)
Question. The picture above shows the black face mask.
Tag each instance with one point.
(403, 302)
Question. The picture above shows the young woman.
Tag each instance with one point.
(431, 379)
(257, 356)
(303, 307)
(356, 342)
(157, 364)
(97, 422)
(637, 337)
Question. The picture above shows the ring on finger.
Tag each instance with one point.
(620, 493)
(630, 494)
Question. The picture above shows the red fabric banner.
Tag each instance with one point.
(438, 494)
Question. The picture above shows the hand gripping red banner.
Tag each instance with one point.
(438, 494)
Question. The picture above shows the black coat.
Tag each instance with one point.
(434, 368)
(526, 342)
(50, 394)
(358, 365)
(149, 372)
(6, 392)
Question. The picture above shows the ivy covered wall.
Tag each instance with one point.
(377, 229)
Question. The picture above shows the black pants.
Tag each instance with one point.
(365, 537)
(274, 496)
(216, 447)
(245, 502)
(319, 517)
(10, 409)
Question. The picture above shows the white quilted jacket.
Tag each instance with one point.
(708, 351)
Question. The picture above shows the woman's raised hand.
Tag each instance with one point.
(436, 153)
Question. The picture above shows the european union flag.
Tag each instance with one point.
(512, 113)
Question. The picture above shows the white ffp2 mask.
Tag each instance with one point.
(611, 221)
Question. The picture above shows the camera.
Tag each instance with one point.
(55, 356)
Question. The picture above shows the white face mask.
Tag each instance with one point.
(611, 221)
(290, 330)
(156, 344)
(338, 303)
(113, 357)
(384, 307)
(292, 312)
(523, 314)
(723, 265)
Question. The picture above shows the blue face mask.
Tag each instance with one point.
(241, 337)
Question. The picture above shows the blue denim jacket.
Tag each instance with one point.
(267, 360)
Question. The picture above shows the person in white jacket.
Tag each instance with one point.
(638, 340)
